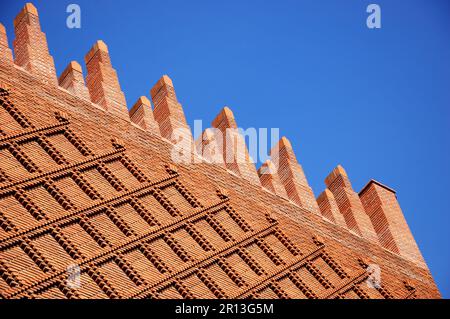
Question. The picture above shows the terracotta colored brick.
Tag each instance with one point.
(30, 45)
(5, 51)
(329, 208)
(102, 81)
(349, 204)
(142, 114)
(100, 190)
(270, 180)
(209, 145)
(72, 80)
(168, 112)
(292, 176)
(380, 203)
(234, 149)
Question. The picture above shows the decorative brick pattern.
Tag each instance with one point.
(209, 145)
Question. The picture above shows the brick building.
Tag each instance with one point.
(86, 184)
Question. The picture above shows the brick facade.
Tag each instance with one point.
(85, 183)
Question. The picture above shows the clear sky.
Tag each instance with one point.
(375, 101)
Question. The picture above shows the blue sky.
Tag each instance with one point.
(375, 101)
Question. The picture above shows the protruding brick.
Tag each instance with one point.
(270, 180)
(169, 113)
(380, 203)
(292, 176)
(72, 80)
(30, 45)
(349, 204)
(234, 151)
(209, 146)
(141, 113)
(329, 208)
(102, 80)
(5, 51)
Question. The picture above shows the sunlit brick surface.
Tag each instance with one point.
(84, 184)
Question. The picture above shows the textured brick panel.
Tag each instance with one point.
(270, 179)
(209, 145)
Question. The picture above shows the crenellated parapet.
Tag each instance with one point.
(374, 214)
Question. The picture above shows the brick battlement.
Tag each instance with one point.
(95, 186)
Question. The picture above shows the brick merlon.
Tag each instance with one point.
(72, 66)
(226, 117)
(165, 80)
(143, 100)
(337, 171)
(99, 45)
(29, 8)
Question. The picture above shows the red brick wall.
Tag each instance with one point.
(84, 185)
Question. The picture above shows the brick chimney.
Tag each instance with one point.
(72, 80)
(102, 81)
(349, 204)
(30, 45)
(380, 203)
